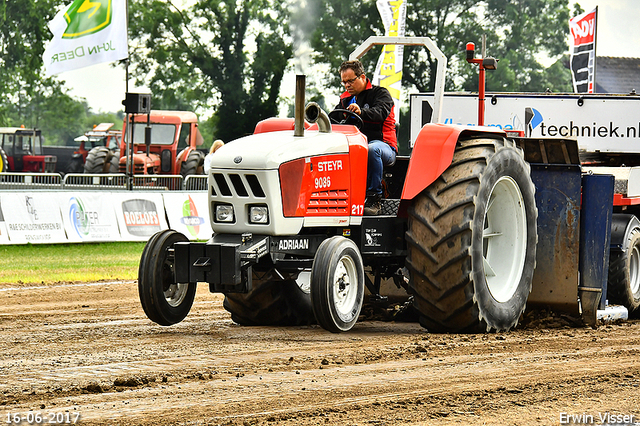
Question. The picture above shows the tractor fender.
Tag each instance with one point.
(182, 155)
(621, 225)
(433, 152)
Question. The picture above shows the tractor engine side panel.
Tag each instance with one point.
(325, 185)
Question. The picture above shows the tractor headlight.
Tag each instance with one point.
(258, 214)
(224, 213)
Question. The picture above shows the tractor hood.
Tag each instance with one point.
(267, 151)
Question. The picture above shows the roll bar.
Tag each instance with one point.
(413, 41)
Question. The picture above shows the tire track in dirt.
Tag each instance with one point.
(90, 350)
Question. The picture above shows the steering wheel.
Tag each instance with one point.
(335, 115)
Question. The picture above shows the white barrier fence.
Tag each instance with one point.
(101, 215)
(114, 181)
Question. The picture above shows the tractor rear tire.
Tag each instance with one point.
(193, 165)
(114, 162)
(163, 300)
(472, 240)
(623, 287)
(97, 161)
(4, 161)
(271, 301)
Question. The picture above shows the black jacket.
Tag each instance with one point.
(376, 105)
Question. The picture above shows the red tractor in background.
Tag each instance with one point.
(21, 151)
(172, 149)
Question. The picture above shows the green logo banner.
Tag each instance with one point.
(86, 17)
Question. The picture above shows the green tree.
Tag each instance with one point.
(518, 31)
(60, 117)
(26, 96)
(228, 55)
(523, 31)
(23, 32)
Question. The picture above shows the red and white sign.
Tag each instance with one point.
(583, 54)
(140, 215)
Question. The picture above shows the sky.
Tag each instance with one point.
(618, 34)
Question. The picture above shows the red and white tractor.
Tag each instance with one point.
(291, 245)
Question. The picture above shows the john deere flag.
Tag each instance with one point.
(87, 33)
(583, 55)
(389, 69)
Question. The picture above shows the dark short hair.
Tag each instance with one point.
(356, 66)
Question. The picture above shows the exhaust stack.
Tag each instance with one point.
(298, 129)
(313, 113)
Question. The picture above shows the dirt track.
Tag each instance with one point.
(90, 350)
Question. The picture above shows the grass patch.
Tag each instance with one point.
(49, 263)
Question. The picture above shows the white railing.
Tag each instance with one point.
(195, 183)
(11, 180)
(112, 181)
(94, 181)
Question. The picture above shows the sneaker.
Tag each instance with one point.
(373, 205)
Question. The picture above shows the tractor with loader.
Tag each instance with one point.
(478, 225)
(104, 149)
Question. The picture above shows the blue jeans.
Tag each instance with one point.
(380, 155)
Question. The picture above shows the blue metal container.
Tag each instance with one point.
(595, 239)
(555, 280)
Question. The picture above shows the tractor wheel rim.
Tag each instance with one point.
(176, 293)
(504, 239)
(345, 289)
(634, 269)
(304, 281)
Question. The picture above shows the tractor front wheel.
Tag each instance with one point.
(163, 300)
(472, 240)
(337, 284)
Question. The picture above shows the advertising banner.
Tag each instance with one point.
(600, 122)
(189, 214)
(139, 215)
(32, 217)
(583, 54)
(4, 236)
(389, 68)
(89, 216)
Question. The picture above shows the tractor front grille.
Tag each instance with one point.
(138, 168)
(243, 185)
(329, 202)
